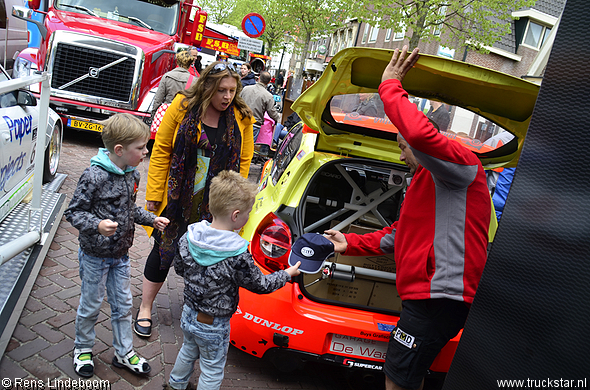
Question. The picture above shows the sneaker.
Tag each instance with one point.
(83, 364)
(132, 362)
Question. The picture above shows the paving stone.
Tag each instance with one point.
(170, 353)
(10, 369)
(69, 292)
(33, 305)
(57, 350)
(38, 316)
(28, 349)
(40, 369)
(56, 304)
(23, 334)
(62, 319)
(41, 292)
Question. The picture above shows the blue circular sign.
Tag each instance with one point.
(253, 25)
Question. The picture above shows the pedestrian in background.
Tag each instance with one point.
(214, 261)
(176, 80)
(260, 101)
(206, 129)
(248, 77)
(104, 212)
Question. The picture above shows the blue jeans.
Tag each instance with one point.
(113, 275)
(209, 344)
(255, 132)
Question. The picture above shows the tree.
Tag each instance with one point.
(477, 23)
(219, 11)
(314, 18)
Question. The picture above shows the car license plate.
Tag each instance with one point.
(358, 347)
(77, 124)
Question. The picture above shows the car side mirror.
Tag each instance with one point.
(26, 98)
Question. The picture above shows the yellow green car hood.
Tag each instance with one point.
(503, 99)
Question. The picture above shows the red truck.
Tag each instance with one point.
(107, 56)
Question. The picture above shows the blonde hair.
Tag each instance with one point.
(229, 192)
(123, 129)
(184, 59)
(202, 91)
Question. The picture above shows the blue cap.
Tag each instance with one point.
(312, 250)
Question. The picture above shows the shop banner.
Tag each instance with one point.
(223, 46)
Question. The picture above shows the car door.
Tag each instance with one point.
(17, 141)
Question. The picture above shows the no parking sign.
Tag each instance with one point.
(253, 25)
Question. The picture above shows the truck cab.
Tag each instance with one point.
(105, 56)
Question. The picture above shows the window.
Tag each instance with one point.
(349, 42)
(335, 43)
(366, 33)
(374, 33)
(400, 32)
(343, 40)
(286, 152)
(365, 110)
(535, 35)
(388, 35)
(442, 12)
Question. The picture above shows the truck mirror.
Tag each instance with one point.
(25, 13)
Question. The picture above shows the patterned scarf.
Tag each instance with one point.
(182, 204)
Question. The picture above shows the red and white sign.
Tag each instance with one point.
(253, 25)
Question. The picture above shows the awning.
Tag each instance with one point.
(215, 40)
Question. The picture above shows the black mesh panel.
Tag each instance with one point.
(529, 320)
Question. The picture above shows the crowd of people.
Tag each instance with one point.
(198, 196)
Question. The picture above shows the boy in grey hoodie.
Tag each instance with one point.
(214, 262)
(104, 212)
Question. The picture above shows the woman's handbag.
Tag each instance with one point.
(157, 121)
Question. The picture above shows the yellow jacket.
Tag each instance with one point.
(157, 182)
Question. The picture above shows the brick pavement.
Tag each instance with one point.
(42, 343)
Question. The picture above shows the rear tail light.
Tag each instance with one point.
(271, 243)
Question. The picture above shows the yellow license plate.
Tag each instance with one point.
(84, 125)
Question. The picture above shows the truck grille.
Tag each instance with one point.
(72, 62)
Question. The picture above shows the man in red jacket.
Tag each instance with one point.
(440, 238)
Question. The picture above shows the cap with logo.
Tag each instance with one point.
(312, 250)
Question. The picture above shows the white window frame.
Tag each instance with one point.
(388, 34)
(366, 33)
(442, 11)
(545, 30)
(374, 34)
(400, 36)
(335, 43)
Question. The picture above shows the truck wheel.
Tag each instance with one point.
(52, 154)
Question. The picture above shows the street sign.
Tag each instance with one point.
(250, 44)
(253, 25)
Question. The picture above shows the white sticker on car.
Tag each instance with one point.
(404, 338)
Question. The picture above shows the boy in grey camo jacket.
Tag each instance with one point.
(104, 212)
(214, 262)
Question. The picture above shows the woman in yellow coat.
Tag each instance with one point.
(206, 129)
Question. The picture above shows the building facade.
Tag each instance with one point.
(513, 54)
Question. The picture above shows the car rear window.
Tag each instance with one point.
(366, 111)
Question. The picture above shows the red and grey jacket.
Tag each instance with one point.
(441, 236)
